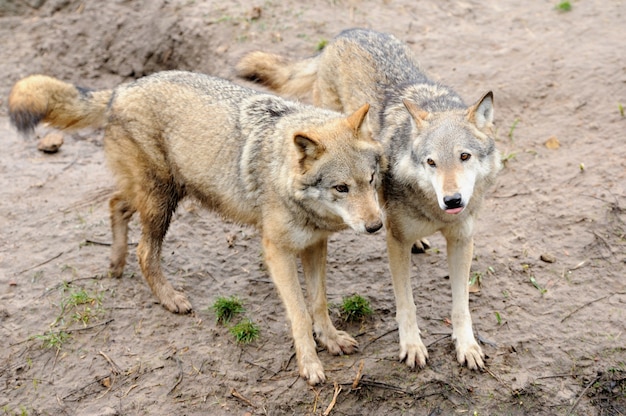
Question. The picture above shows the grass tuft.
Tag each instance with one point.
(245, 331)
(227, 308)
(355, 308)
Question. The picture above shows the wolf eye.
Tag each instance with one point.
(465, 156)
(341, 188)
(431, 162)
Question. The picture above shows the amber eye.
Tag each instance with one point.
(465, 156)
(431, 162)
(341, 188)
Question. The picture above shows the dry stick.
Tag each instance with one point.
(115, 369)
(359, 374)
(377, 338)
(238, 395)
(41, 264)
(499, 380)
(589, 303)
(317, 398)
(86, 328)
(180, 372)
(580, 396)
(333, 401)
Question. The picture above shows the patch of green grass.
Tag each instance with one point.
(321, 44)
(498, 318)
(227, 308)
(245, 331)
(85, 305)
(355, 308)
(621, 109)
(512, 128)
(541, 289)
(53, 339)
(564, 6)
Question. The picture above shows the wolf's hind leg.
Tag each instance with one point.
(121, 213)
(314, 267)
(156, 204)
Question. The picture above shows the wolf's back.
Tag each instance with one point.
(39, 98)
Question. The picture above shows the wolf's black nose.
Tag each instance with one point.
(372, 228)
(453, 201)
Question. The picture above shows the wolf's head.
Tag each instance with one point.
(339, 166)
(453, 153)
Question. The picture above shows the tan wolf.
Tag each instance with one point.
(441, 154)
(298, 173)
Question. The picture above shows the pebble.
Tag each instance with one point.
(50, 143)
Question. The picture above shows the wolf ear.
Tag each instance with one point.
(355, 121)
(420, 116)
(481, 113)
(308, 148)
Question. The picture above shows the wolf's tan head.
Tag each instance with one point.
(339, 167)
(453, 153)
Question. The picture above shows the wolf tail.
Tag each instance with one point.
(285, 77)
(39, 98)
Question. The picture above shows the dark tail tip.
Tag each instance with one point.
(25, 121)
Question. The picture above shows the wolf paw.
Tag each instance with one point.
(311, 370)
(341, 343)
(176, 302)
(472, 355)
(116, 269)
(414, 354)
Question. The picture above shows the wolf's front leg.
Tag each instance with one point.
(314, 266)
(412, 349)
(281, 263)
(460, 251)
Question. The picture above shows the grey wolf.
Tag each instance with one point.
(298, 173)
(441, 154)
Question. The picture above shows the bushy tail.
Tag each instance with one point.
(39, 98)
(289, 78)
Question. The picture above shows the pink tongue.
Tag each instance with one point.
(454, 210)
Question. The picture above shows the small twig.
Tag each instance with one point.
(580, 396)
(511, 195)
(103, 243)
(86, 328)
(585, 305)
(498, 379)
(359, 374)
(274, 373)
(486, 341)
(40, 264)
(438, 340)
(115, 369)
(377, 338)
(180, 371)
(239, 396)
(333, 401)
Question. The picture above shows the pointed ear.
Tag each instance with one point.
(420, 116)
(356, 119)
(481, 113)
(308, 148)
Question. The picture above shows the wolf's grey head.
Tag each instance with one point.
(453, 153)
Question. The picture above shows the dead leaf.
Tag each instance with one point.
(552, 143)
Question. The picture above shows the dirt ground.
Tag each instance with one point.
(550, 245)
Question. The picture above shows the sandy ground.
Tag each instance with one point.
(554, 331)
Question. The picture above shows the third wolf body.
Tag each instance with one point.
(441, 156)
